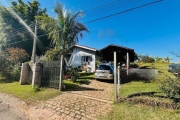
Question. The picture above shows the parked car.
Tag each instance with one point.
(174, 68)
(105, 71)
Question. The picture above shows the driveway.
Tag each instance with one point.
(86, 103)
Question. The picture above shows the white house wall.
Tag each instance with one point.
(76, 57)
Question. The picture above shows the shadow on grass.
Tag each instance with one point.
(153, 94)
(145, 67)
(86, 76)
(76, 86)
(142, 94)
(106, 81)
(82, 81)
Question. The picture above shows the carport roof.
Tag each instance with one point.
(117, 48)
(107, 53)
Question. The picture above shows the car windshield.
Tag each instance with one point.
(112, 67)
(104, 67)
(174, 66)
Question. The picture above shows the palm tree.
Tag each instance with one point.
(65, 30)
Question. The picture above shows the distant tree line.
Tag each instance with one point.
(150, 59)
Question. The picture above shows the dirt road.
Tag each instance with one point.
(8, 113)
(12, 108)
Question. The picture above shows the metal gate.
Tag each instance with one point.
(52, 74)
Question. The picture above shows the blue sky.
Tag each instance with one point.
(153, 30)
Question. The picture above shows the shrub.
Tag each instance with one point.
(73, 73)
(147, 59)
(171, 87)
(17, 55)
(8, 69)
(16, 70)
(52, 54)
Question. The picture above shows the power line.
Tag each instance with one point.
(23, 29)
(111, 8)
(105, 4)
(131, 9)
(128, 10)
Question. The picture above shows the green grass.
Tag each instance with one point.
(153, 86)
(27, 93)
(124, 111)
(71, 85)
(127, 111)
(162, 67)
(137, 87)
(84, 75)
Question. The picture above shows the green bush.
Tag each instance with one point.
(8, 69)
(147, 59)
(16, 71)
(52, 54)
(171, 87)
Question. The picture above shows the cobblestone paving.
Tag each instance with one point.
(83, 104)
(98, 89)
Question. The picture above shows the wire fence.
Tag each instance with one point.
(144, 81)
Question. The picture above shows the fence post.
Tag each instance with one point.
(127, 63)
(37, 74)
(61, 74)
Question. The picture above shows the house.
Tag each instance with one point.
(83, 57)
(86, 57)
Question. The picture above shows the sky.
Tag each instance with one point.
(152, 30)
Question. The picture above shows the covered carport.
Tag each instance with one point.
(124, 55)
(118, 55)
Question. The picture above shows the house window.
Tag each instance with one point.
(86, 58)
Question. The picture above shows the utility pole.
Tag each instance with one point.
(33, 59)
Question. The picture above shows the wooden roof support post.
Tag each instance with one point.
(115, 76)
(127, 63)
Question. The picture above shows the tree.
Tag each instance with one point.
(147, 59)
(12, 30)
(167, 59)
(139, 57)
(17, 55)
(65, 29)
(158, 59)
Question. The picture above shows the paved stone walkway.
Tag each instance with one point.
(83, 104)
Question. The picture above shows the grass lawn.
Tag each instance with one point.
(153, 86)
(137, 87)
(124, 111)
(84, 75)
(27, 93)
(127, 111)
(84, 78)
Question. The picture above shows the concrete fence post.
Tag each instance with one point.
(25, 70)
(37, 74)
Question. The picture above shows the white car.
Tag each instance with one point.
(105, 71)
